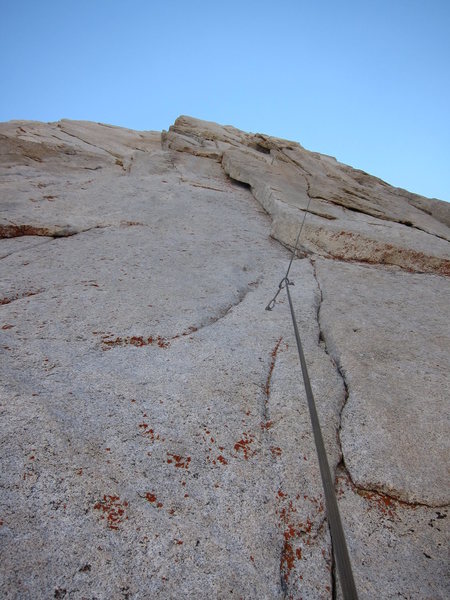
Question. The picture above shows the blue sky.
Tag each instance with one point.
(365, 81)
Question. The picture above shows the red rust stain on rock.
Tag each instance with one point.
(243, 445)
(292, 529)
(140, 341)
(272, 366)
(181, 462)
(222, 460)
(386, 505)
(276, 450)
(148, 431)
(19, 296)
(113, 510)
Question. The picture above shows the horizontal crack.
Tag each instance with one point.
(19, 296)
(377, 214)
(52, 231)
(200, 185)
(139, 341)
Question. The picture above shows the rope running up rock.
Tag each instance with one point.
(334, 520)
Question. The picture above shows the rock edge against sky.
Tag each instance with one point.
(155, 436)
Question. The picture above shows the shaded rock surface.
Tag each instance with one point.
(156, 441)
(352, 215)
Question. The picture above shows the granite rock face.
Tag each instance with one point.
(155, 438)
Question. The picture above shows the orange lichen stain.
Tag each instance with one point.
(19, 296)
(252, 559)
(243, 445)
(159, 505)
(292, 529)
(180, 461)
(108, 449)
(150, 497)
(287, 560)
(190, 330)
(178, 542)
(222, 460)
(276, 450)
(148, 431)
(171, 511)
(79, 471)
(140, 341)
(266, 425)
(384, 504)
(272, 366)
(113, 510)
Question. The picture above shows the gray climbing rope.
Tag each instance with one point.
(338, 542)
(334, 520)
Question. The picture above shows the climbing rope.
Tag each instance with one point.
(338, 542)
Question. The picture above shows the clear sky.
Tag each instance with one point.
(366, 81)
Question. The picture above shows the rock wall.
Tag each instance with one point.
(156, 440)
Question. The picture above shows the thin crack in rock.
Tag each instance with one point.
(342, 464)
(20, 296)
(77, 137)
(13, 231)
(40, 243)
(268, 382)
(139, 341)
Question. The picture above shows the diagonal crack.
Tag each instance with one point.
(110, 340)
(77, 137)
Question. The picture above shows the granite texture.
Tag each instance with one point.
(155, 438)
